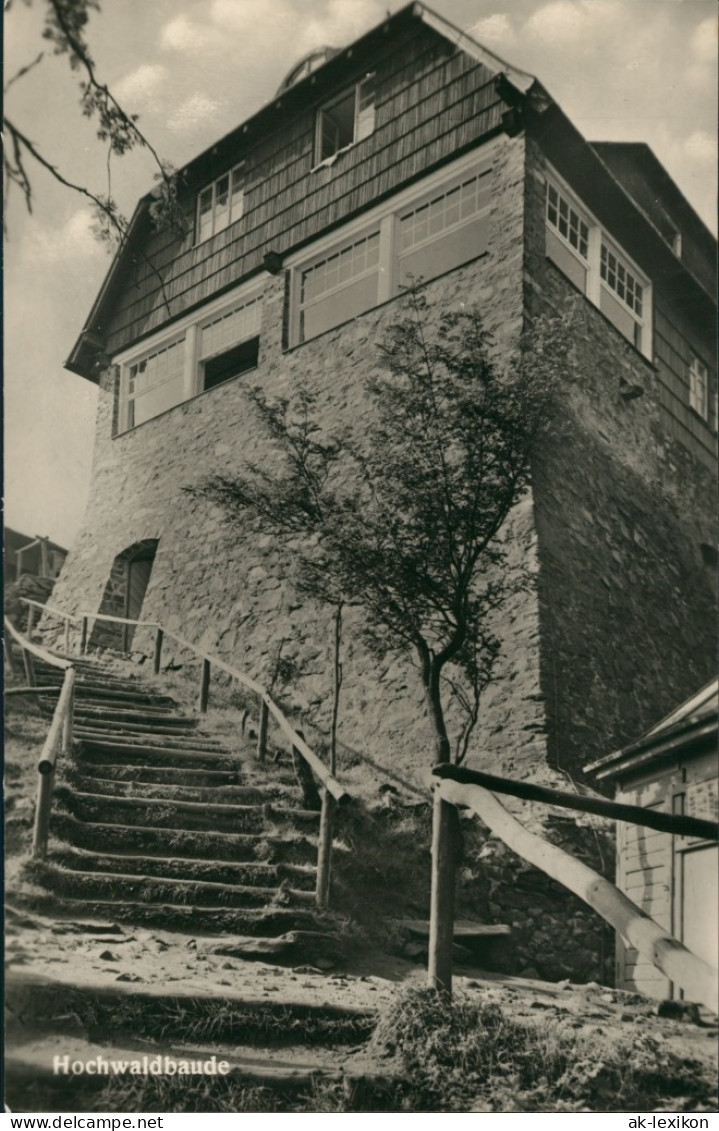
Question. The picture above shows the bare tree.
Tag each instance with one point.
(408, 524)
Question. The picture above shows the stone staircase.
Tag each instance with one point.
(159, 822)
(159, 826)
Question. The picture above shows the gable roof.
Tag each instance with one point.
(690, 728)
(86, 356)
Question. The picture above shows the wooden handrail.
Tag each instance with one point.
(666, 822)
(332, 788)
(36, 649)
(697, 979)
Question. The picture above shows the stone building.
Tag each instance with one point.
(417, 152)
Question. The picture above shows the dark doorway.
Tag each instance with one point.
(124, 595)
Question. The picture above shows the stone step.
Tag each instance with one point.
(237, 794)
(196, 844)
(99, 751)
(209, 920)
(137, 888)
(108, 1010)
(299, 876)
(166, 813)
(120, 739)
(134, 720)
(157, 775)
(35, 1084)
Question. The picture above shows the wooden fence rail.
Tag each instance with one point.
(698, 980)
(332, 792)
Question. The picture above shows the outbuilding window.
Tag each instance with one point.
(348, 118)
(699, 388)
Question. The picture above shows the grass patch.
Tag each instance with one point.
(460, 1056)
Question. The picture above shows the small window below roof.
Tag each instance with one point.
(220, 204)
(348, 118)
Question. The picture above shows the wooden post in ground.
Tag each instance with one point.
(204, 687)
(441, 923)
(67, 636)
(30, 621)
(67, 725)
(9, 657)
(262, 730)
(324, 850)
(305, 779)
(83, 637)
(44, 558)
(157, 659)
(41, 830)
(29, 666)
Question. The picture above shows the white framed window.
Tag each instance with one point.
(699, 388)
(220, 204)
(339, 286)
(228, 344)
(201, 351)
(565, 219)
(422, 232)
(581, 248)
(346, 119)
(437, 234)
(154, 383)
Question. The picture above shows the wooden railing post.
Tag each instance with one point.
(9, 657)
(67, 726)
(441, 923)
(324, 850)
(204, 687)
(83, 637)
(29, 666)
(262, 730)
(30, 621)
(41, 830)
(159, 636)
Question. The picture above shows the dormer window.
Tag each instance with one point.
(345, 120)
(220, 204)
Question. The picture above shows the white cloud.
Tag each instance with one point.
(704, 40)
(494, 29)
(701, 147)
(74, 240)
(567, 21)
(186, 36)
(276, 26)
(141, 86)
(193, 112)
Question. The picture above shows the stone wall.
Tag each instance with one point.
(627, 605)
(219, 586)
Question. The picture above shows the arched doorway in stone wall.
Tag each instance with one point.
(124, 594)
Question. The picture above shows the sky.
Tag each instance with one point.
(623, 70)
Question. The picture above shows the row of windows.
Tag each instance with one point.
(421, 233)
(345, 120)
(583, 250)
(204, 355)
(430, 235)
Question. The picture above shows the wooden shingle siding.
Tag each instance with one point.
(673, 354)
(431, 107)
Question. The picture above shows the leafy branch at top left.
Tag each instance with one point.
(64, 28)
